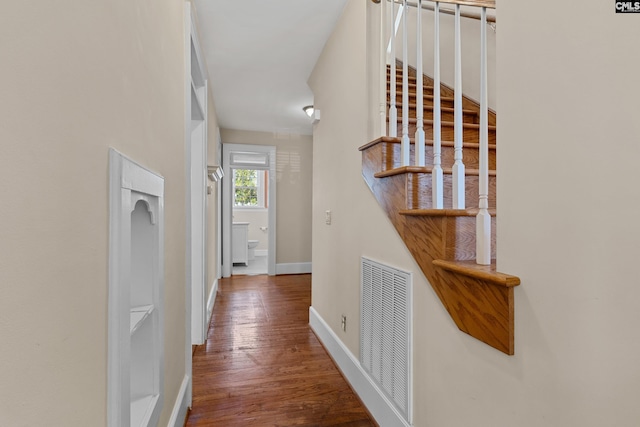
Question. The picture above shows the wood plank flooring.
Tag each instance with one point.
(263, 366)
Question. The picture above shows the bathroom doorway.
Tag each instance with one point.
(250, 226)
(249, 190)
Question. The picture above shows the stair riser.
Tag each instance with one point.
(445, 116)
(427, 100)
(461, 239)
(456, 234)
(411, 78)
(426, 90)
(448, 132)
(419, 191)
(470, 157)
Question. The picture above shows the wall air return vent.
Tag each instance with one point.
(385, 333)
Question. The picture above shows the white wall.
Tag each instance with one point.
(569, 232)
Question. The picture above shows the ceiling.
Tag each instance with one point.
(259, 55)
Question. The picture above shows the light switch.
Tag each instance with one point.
(327, 217)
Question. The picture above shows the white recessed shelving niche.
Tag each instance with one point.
(136, 266)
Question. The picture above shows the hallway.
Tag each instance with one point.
(263, 366)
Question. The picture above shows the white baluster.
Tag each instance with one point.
(406, 144)
(436, 173)
(383, 69)
(483, 219)
(419, 138)
(458, 166)
(393, 111)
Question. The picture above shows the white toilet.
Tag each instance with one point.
(252, 249)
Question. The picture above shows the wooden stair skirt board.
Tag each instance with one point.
(478, 298)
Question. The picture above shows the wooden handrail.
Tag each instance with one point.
(491, 4)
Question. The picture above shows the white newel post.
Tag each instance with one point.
(436, 172)
(419, 137)
(393, 111)
(458, 166)
(483, 219)
(405, 147)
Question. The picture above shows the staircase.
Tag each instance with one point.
(442, 241)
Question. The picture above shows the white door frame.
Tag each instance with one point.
(227, 206)
(219, 211)
(196, 183)
(196, 91)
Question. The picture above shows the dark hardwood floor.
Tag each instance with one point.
(263, 366)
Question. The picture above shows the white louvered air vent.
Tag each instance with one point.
(385, 333)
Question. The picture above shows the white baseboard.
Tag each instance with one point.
(376, 402)
(211, 301)
(262, 252)
(293, 268)
(179, 413)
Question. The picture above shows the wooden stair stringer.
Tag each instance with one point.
(479, 305)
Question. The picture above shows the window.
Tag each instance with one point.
(249, 188)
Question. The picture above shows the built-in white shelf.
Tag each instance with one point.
(141, 410)
(135, 373)
(138, 315)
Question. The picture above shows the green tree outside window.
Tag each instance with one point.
(245, 187)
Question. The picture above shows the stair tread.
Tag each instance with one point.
(398, 140)
(445, 212)
(483, 272)
(425, 96)
(425, 169)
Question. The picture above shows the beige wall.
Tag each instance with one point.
(78, 78)
(568, 98)
(568, 233)
(359, 227)
(293, 194)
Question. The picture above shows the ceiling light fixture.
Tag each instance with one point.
(308, 110)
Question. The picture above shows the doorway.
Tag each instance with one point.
(250, 226)
(249, 210)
